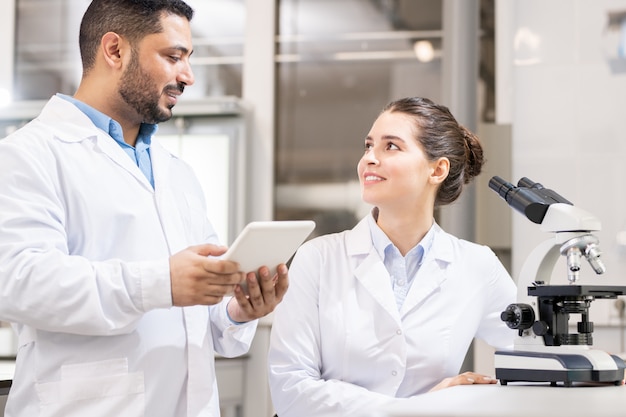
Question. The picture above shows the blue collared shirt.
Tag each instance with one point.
(402, 269)
(140, 154)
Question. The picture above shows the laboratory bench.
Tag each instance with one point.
(515, 400)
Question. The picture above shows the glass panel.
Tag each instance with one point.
(48, 58)
(218, 28)
(212, 146)
(339, 63)
(209, 157)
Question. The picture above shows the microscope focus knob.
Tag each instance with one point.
(540, 328)
(518, 316)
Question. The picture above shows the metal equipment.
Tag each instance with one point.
(544, 349)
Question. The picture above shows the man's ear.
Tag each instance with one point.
(439, 170)
(112, 46)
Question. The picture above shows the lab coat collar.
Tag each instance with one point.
(165, 197)
(370, 271)
(69, 124)
(441, 248)
(359, 242)
(433, 271)
(373, 275)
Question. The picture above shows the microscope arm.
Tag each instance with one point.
(569, 224)
(537, 268)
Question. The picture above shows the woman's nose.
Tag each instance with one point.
(370, 157)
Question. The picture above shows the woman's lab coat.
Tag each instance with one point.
(339, 345)
(84, 276)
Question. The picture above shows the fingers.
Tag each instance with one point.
(200, 280)
(470, 378)
(208, 250)
(269, 289)
(197, 290)
(262, 296)
(259, 295)
(466, 378)
(282, 282)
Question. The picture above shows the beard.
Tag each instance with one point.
(140, 92)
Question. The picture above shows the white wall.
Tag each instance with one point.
(7, 43)
(567, 102)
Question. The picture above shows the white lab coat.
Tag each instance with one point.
(84, 276)
(339, 345)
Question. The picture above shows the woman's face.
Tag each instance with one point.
(394, 171)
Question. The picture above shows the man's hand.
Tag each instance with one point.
(200, 280)
(263, 294)
(466, 378)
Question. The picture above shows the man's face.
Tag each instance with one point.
(158, 71)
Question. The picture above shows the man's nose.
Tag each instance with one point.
(186, 76)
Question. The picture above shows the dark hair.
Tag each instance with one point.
(132, 19)
(440, 135)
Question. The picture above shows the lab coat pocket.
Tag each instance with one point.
(102, 388)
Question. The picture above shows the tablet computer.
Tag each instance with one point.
(268, 243)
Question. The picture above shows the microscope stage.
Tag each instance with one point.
(596, 291)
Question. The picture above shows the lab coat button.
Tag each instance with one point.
(399, 332)
(394, 373)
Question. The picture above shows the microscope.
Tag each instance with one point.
(544, 349)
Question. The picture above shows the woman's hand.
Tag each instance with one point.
(466, 378)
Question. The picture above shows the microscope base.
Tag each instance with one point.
(512, 366)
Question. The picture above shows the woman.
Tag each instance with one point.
(388, 309)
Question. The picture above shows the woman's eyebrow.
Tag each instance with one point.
(392, 137)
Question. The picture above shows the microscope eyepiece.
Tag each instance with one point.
(528, 183)
(528, 197)
(501, 186)
(548, 195)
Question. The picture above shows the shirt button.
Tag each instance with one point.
(401, 282)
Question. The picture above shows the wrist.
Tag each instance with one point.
(232, 314)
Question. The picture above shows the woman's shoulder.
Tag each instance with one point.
(345, 244)
(462, 246)
(474, 259)
(326, 241)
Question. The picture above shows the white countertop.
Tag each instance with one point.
(515, 400)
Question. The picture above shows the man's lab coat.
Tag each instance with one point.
(339, 345)
(84, 277)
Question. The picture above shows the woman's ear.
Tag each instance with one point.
(439, 171)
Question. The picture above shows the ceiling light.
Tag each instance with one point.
(424, 51)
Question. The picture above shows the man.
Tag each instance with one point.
(108, 265)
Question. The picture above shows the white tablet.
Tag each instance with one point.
(268, 243)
